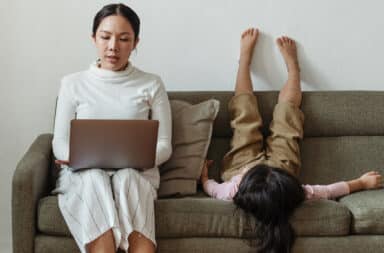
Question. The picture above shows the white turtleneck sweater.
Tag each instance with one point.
(103, 94)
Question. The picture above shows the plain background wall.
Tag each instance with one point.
(193, 45)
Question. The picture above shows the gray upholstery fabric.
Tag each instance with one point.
(329, 159)
(367, 210)
(356, 244)
(206, 217)
(327, 113)
(344, 136)
(28, 186)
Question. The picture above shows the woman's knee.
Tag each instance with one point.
(103, 243)
(139, 243)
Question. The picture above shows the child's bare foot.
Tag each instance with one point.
(247, 44)
(288, 50)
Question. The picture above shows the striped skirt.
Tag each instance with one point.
(94, 201)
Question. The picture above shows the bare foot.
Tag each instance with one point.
(247, 44)
(288, 50)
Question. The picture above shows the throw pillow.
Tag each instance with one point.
(191, 135)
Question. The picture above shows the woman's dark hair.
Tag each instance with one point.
(270, 195)
(117, 9)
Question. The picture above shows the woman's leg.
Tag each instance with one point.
(86, 202)
(287, 125)
(134, 199)
(247, 140)
(103, 244)
(138, 243)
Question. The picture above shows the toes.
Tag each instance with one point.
(279, 42)
(251, 32)
(245, 33)
(256, 32)
(285, 40)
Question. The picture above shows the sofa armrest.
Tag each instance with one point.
(29, 184)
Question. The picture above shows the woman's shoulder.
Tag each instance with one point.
(148, 76)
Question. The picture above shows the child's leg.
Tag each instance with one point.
(247, 140)
(291, 92)
(287, 125)
(247, 45)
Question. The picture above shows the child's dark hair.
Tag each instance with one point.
(117, 9)
(270, 195)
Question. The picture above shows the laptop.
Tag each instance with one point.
(112, 144)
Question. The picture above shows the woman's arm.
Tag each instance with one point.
(161, 111)
(65, 112)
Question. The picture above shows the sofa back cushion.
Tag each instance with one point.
(343, 131)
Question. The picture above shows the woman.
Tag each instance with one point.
(106, 210)
(262, 181)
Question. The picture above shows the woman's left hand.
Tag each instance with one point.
(61, 162)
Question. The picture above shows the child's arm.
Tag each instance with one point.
(369, 180)
(224, 191)
(204, 172)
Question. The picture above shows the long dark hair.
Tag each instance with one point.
(270, 195)
(117, 9)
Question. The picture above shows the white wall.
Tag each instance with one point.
(193, 45)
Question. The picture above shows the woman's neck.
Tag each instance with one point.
(120, 69)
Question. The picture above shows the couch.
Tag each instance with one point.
(344, 136)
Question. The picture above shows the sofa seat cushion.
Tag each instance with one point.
(199, 216)
(206, 217)
(367, 208)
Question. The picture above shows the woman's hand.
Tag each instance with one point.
(204, 171)
(61, 162)
(371, 180)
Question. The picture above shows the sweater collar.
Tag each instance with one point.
(110, 75)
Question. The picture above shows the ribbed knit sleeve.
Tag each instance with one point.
(224, 191)
(65, 112)
(330, 191)
(161, 111)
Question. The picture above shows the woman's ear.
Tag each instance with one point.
(93, 38)
(136, 42)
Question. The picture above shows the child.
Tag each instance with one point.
(263, 182)
(227, 190)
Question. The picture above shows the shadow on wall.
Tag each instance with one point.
(266, 66)
(313, 78)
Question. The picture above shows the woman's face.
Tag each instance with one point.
(114, 40)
